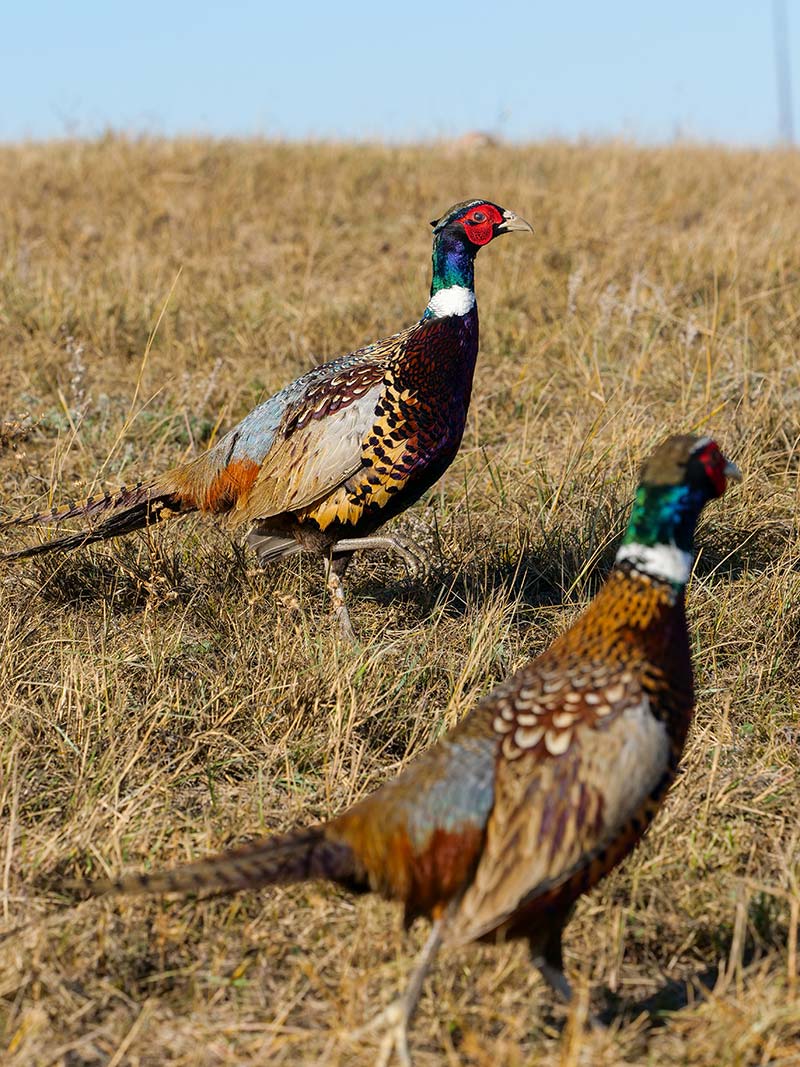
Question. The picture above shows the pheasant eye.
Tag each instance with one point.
(478, 216)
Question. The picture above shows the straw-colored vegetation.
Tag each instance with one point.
(162, 698)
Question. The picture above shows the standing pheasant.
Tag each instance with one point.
(546, 785)
(331, 457)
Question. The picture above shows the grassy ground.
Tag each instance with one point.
(160, 698)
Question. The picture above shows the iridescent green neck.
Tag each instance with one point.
(665, 515)
(659, 540)
(453, 262)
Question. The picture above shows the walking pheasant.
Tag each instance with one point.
(335, 454)
(546, 785)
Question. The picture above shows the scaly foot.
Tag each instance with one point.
(398, 1015)
(412, 555)
(341, 614)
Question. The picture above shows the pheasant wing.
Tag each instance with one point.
(292, 446)
(311, 457)
(571, 778)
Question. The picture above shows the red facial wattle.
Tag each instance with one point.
(714, 464)
(480, 230)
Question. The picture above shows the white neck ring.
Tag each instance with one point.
(665, 562)
(455, 300)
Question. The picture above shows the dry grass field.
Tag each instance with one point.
(161, 697)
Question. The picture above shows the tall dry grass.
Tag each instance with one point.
(161, 698)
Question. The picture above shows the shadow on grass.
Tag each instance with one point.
(548, 572)
(767, 931)
(134, 573)
(673, 996)
(555, 572)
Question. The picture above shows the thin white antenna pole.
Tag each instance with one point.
(783, 71)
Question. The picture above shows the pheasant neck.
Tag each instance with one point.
(660, 536)
(453, 283)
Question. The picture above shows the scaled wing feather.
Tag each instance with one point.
(547, 821)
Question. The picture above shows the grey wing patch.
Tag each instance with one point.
(318, 457)
(253, 437)
(460, 792)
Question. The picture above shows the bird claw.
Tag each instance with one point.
(413, 556)
(342, 615)
(398, 1015)
(395, 1018)
(346, 631)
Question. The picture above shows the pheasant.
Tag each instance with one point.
(553, 778)
(323, 463)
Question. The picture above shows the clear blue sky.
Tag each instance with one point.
(643, 69)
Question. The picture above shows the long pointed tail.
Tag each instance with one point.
(94, 505)
(296, 857)
(130, 509)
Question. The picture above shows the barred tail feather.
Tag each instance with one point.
(131, 509)
(296, 857)
(95, 505)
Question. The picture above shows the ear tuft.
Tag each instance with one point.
(434, 223)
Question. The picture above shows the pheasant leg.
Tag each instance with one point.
(336, 590)
(398, 1015)
(411, 554)
(555, 978)
(548, 958)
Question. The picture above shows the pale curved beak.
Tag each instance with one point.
(513, 222)
(732, 472)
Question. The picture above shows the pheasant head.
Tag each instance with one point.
(457, 237)
(677, 481)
